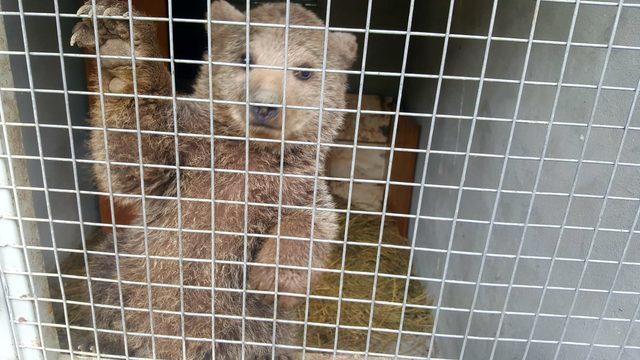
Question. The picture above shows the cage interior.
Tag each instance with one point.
(496, 173)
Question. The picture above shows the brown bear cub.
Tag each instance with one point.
(162, 274)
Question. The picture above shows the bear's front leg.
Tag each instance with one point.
(116, 108)
(294, 252)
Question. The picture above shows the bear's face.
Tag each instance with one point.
(266, 86)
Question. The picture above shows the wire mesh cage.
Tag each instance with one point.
(320, 179)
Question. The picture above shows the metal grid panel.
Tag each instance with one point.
(627, 130)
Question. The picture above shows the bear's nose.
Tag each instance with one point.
(262, 115)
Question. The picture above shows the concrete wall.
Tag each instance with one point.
(594, 25)
(46, 72)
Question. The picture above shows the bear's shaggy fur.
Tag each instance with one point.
(173, 251)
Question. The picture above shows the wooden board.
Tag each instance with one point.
(372, 128)
(369, 165)
(403, 169)
(375, 129)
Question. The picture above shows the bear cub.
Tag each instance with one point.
(157, 154)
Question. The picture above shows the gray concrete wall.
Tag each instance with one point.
(46, 72)
(594, 25)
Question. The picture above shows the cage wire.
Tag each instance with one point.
(525, 200)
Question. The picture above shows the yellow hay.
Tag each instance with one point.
(361, 257)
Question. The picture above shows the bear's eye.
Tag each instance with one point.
(303, 74)
(244, 59)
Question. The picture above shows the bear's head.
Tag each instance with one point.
(305, 88)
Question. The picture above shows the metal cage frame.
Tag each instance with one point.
(26, 324)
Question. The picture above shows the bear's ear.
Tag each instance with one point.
(222, 10)
(345, 47)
